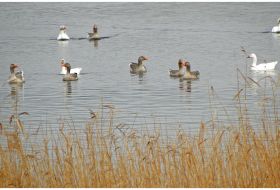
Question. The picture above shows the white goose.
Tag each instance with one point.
(62, 36)
(276, 29)
(64, 69)
(261, 66)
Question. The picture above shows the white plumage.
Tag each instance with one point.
(261, 66)
(62, 34)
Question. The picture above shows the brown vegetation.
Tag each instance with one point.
(235, 156)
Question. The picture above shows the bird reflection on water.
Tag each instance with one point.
(68, 88)
(16, 89)
(94, 42)
(185, 85)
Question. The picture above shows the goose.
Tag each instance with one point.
(190, 74)
(276, 29)
(64, 71)
(15, 77)
(94, 35)
(261, 66)
(138, 67)
(188, 67)
(69, 76)
(62, 36)
(180, 72)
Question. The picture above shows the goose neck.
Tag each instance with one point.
(254, 61)
(68, 70)
(140, 62)
(12, 70)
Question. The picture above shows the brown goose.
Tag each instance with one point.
(15, 77)
(138, 67)
(73, 70)
(69, 76)
(180, 72)
(94, 35)
(190, 74)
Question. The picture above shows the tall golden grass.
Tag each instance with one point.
(235, 156)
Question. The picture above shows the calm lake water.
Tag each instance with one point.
(209, 35)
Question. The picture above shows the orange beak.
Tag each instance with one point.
(145, 58)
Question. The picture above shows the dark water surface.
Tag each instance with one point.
(209, 35)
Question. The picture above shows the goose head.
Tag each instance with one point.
(62, 62)
(252, 55)
(141, 59)
(68, 67)
(181, 63)
(94, 28)
(62, 27)
(188, 65)
(12, 67)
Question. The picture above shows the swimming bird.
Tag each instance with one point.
(180, 72)
(64, 71)
(62, 36)
(69, 76)
(276, 29)
(190, 74)
(15, 77)
(261, 66)
(138, 67)
(94, 35)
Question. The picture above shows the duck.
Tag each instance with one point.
(15, 77)
(190, 74)
(69, 76)
(138, 67)
(261, 66)
(180, 72)
(64, 71)
(276, 29)
(94, 35)
(62, 36)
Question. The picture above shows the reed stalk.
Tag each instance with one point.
(107, 156)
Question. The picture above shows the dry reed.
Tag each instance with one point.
(236, 156)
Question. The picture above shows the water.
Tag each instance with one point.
(209, 35)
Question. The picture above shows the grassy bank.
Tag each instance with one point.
(219, 158)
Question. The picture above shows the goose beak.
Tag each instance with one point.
(145, 58)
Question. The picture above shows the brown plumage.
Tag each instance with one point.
(69, 76)
(180, 72)
(138, 67)
(15, 77)
(190, 74)
(94, 35)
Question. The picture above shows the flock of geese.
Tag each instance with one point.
(183, 72)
